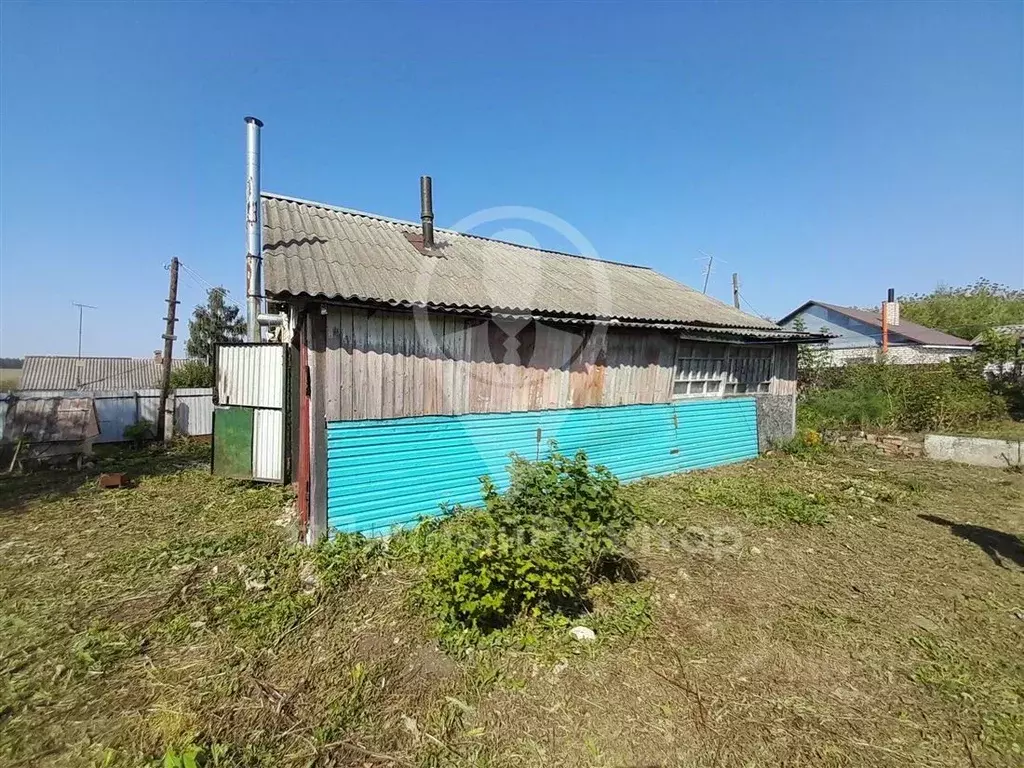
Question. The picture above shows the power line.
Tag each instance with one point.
(752, 308)
(195, 283)
(201, 279)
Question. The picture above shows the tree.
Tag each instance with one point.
(216, 322)
(811, 359)
(965, 311)
(192, 373)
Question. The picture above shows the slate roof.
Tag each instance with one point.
(97, 373)
(917, 334)
(314, 249)
(51, 419)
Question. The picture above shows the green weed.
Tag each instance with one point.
(99, 649)
(758, 502)
(989, 692)
(531, 551)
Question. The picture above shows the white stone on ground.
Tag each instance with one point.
(583, 634)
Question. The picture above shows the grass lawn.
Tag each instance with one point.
(9, 378)
(789, 611)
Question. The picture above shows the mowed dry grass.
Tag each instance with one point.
(173, 616)
(878, 638)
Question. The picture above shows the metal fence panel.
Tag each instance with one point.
(268, 445)
(250, 375)
(116, 410)
(193, 411)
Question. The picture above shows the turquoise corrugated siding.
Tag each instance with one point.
(383, 473)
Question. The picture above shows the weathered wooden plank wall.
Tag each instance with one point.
(381, 364)
(784, 370)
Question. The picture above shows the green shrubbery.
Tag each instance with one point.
(533, 550)
(192, 373)
(140, 432)
(950, 396)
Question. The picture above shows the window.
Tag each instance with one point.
(700, 369)
(714, 370)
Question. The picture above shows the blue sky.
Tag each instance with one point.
(820, 150)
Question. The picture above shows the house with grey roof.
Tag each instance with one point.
(431, 354)
(91, 374)
(856, 335)
(400, 362)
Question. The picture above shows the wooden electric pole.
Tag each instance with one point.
(165, 384)
(736, 289)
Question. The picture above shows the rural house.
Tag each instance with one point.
(421, 358)
(857, 335)
(63, 373)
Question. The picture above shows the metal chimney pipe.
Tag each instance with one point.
(892, 295)
(427, 211)
(253, 230)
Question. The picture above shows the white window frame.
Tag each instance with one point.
(705, 369)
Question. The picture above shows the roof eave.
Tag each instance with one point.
(360, 302)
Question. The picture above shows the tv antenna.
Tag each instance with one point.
(81, 307)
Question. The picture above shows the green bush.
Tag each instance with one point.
(919, 398)
(192, 373)
(140, 432)
(536, 548)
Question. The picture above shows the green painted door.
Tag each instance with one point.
(232, 442)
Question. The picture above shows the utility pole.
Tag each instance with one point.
(736, 289)
(707, 274)
(165, 383)
(78, 364)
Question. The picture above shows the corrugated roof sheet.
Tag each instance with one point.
(318, 250)
(51, 419)
(53, 372)
(912, 331)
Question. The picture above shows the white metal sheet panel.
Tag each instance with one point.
(268, 445)
(118, 409)
(149, 405)
(193, 411)
(251, 375)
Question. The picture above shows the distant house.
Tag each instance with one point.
(91, 374)
(1016, 331)
(858, 335)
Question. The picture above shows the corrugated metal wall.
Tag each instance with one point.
(250, 375)
(383, 473)
(268, 445)
(193, 411)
